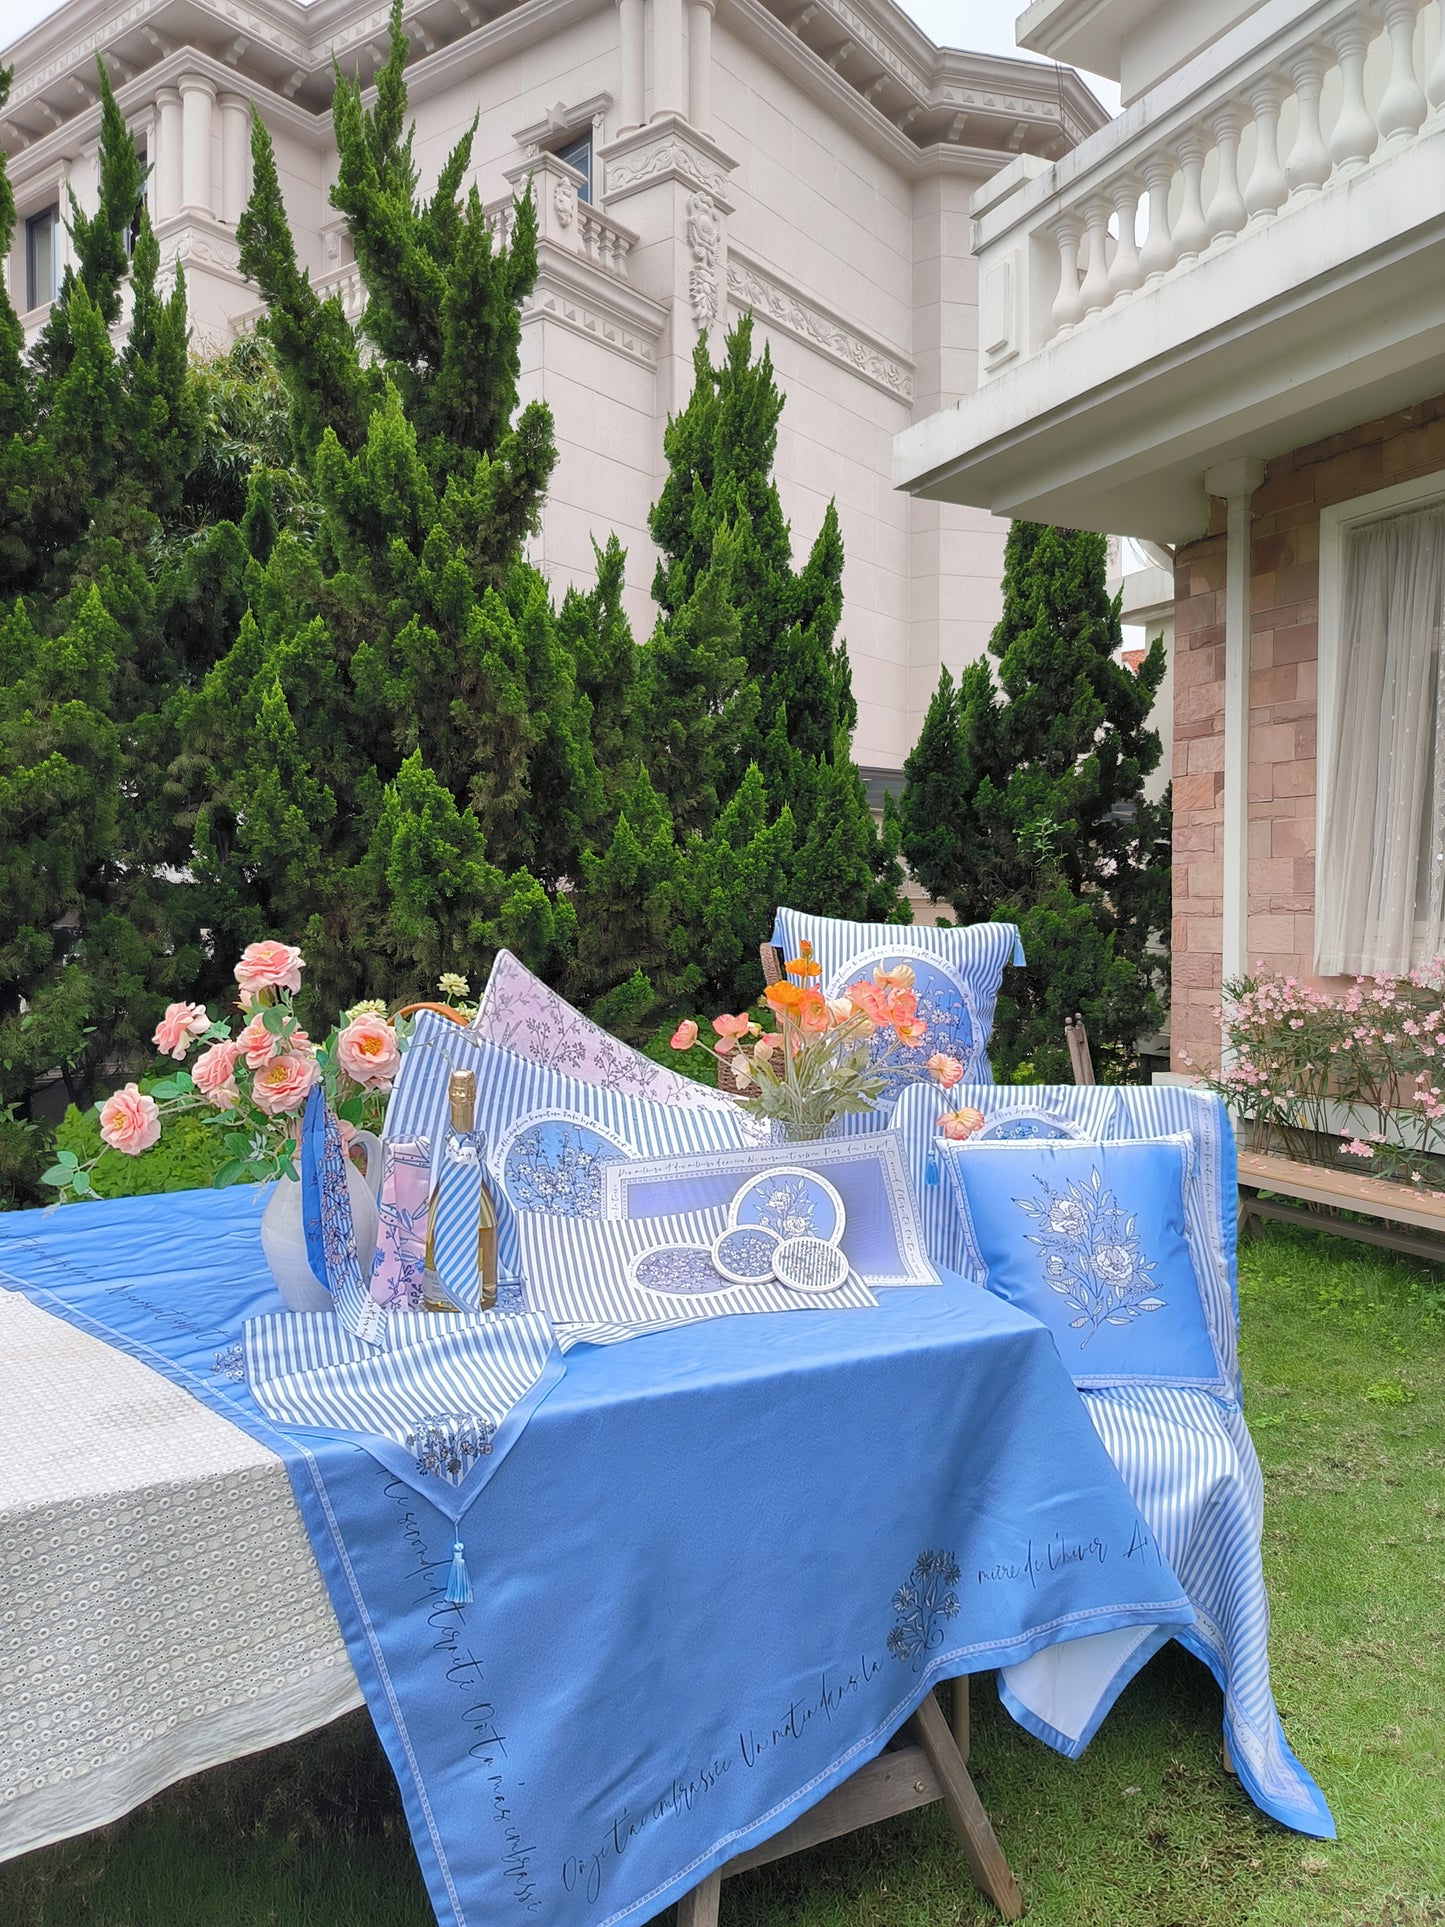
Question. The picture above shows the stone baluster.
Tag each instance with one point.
(621, 248)
(1191, 230)
(167, 157)
(1435, 79)
(631, 33)
(1094, 291)
(1157, 256)
(235, 156)
(1267, 188)
(1125, 270)
(1403, 106)
(1308, 166)
(1067, 310)
(198, 190)
(1227, 211)
(1353, 139)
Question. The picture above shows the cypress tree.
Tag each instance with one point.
(401, 696)
(1024, 800)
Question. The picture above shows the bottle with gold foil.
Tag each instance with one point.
(461, 1256)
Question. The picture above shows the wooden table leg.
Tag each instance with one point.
(958, 1715)
(965, 1809)
(700, 1907)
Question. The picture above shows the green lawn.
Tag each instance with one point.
(1346, 1395)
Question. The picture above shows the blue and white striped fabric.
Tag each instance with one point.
(441, 1407)
(580, 1272)
(456, 1222)
(1188, 1461)
(548, 1137)
(957, 974)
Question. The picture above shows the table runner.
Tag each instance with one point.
(720, 1568)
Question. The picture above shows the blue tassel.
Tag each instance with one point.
(459, 1583)
(930, 1171)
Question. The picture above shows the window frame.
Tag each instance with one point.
(1337, 523)
(576, 139)
(52, 213)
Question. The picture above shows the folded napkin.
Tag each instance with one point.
(440, 1407)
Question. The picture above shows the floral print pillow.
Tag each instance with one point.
(1090, 1239)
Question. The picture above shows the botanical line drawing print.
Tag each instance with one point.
(921, 1605)
(1091, 1254)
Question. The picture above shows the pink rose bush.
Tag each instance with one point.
(251, 1086)
(1329, 1075)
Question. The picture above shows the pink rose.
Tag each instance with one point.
(946, 1069)
(181, 1024)
(268, 966)
(214, 1073)
(367, 1051)
(283, 1084)
(257, 1045)
(129, 1122)
(685, 1036)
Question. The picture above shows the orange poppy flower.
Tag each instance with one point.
(804, 964)
(784, 997)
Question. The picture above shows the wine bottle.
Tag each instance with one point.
(461, 1254)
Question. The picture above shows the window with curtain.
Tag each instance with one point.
(1380, 896)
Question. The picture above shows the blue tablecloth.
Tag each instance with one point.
(721, 1567)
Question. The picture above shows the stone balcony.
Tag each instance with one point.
(1249, 258)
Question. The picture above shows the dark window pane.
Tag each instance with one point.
(40, 251)
(578, 154)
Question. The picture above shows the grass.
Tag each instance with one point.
(1344, 1358)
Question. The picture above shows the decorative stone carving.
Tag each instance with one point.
(704, 237)
(564, 201)
(750, 287)
(667, 157)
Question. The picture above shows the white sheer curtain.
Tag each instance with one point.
(1380, 898)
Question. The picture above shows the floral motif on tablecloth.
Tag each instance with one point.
(447, 1445)
(921, 1605)
(1091, 1254)
(685, 1269)
(230, 1363)
(557, 1167)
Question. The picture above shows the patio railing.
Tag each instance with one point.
(1290, 101)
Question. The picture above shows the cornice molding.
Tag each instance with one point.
(580, 298)
(751, 285)
(73, 136)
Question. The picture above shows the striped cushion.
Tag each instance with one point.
(547, 1136)
(957, 974)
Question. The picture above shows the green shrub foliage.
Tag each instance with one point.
(1024, 800)
(273, 661)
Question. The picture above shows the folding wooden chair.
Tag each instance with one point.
(1077, 1039)
(930, 1764)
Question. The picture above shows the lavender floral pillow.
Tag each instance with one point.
(1090, 1239)
(525, 1016)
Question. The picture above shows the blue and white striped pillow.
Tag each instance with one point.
(957, 975)
(547, 1136)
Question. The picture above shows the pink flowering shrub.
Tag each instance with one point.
(1355, 1076)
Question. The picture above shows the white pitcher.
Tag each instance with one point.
(283, 1236)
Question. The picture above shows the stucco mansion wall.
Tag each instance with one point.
(1284, 647)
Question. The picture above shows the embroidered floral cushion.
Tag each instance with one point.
(956, 975)
(547, 1136)
(1091, 1240)
(524, 1015)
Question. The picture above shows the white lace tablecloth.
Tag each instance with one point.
(160, 1609)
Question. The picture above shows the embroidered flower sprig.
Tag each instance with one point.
(1091, 1255)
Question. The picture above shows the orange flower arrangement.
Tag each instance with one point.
(828, 1056)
